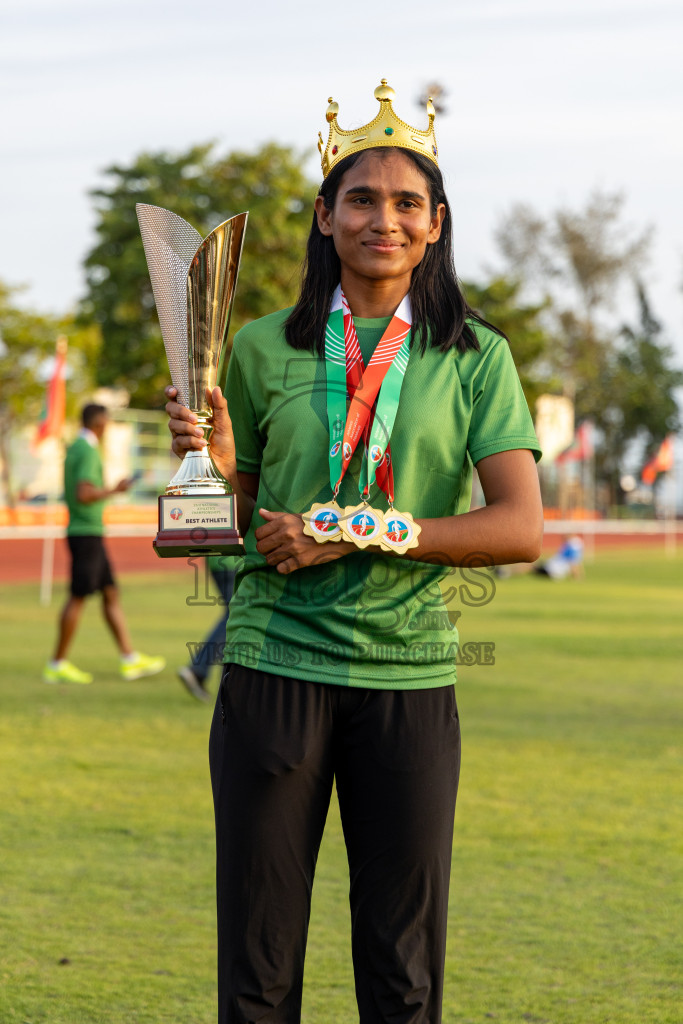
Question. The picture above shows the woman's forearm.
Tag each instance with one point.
(509, 528)
(503, 534)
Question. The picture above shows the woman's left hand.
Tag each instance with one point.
(285, 546)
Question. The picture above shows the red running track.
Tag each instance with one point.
(21, 560)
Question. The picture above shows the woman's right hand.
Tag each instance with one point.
(187, 436)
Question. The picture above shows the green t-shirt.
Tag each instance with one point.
(366, 619)
(83, 463)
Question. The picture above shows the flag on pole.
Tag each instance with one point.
(581, 447)
(661, 462)
(52, 419)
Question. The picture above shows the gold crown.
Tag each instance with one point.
(386, 130)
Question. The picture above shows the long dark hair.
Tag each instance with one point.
(440, 310)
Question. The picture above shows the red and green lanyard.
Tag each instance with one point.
(374, 392)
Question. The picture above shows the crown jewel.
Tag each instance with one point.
(386, 130)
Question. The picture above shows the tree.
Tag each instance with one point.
(647, 381)
(632, 396)
(581, 255)
(499, 303)
(205, 190)
(27, 344)
(578, 262)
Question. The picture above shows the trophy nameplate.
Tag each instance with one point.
(197, 525)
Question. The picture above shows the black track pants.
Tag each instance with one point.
(276, 745)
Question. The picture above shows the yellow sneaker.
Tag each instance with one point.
(64, 672)
(142, 665)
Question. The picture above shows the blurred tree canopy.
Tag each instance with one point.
(580, 265)
(27, 347)
(576, 262)
(647, 380)
(633, 395)
(205, 190)
(581, 255)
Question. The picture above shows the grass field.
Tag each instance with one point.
(567, 884)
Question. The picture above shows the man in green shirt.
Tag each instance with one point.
(85, 494)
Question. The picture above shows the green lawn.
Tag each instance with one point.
(566, 895)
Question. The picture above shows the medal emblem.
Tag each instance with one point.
(376, 453)
(398, 531)
(363, 525)
(402, 532)
(347, 451)
(322, 522)
(335, 448)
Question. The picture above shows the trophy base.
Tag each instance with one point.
(198, 524)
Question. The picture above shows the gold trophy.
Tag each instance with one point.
(194, 287)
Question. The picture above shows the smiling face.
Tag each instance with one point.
(381, 222)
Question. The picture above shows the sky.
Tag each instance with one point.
(548, 101)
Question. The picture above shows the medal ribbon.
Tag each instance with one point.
(374, 392)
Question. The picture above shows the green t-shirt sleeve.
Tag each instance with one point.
(500, 418)
(88, 468)
(248, 440)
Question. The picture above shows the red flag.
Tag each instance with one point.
(580, 448)
(52, 419)
(661, 462)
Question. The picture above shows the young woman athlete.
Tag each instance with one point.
(340, 654)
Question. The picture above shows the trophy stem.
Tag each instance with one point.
(198, 475)
(204, 424)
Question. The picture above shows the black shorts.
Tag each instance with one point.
(90, 568)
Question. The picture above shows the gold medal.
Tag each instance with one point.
(363, 525)
(401, 532)
(322, 521)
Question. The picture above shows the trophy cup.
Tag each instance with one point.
(194, 286)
